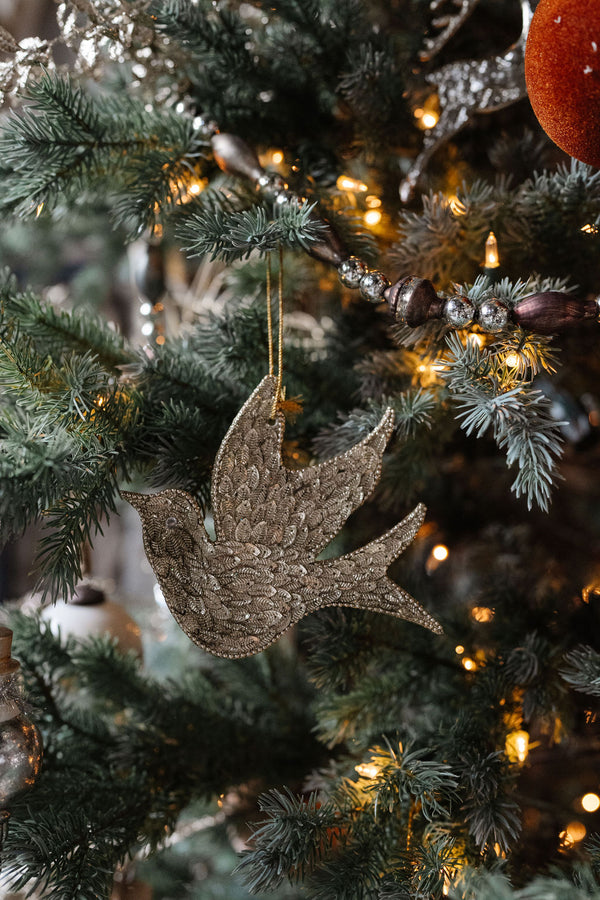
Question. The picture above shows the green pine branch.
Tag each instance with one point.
(519, 416)
(65, 143)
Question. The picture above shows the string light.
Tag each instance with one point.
(492, 260)
(438, 555)
(482, 613)
(195, 188)
(516, 746)
(590, 229)
(459, 649)
(372, 201)
(372, 217)
(589, 590)
(429, 119)
(590, 802)
(147, 328)
(277, 157)
(426, 117)
(469, 664)
(145, 309)
(512, 360)
(573, 833)
(346, 183)
(476, 339)
(160, 339)
(456, 205)
(367, 770)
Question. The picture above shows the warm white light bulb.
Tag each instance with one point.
(346, 183)
(372, 217)
(590, 802)
(367, 770)
(492, 260)
(429, 119)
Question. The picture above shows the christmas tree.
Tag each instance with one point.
(355, 201)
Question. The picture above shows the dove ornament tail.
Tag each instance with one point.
(361, 581)
(236, 595)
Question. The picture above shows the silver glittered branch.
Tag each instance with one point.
(447, 24)
(468, 87)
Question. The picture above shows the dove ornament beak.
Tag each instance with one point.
(138, 501)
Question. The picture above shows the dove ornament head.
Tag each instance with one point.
(170, 519)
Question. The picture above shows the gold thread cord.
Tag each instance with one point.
(269, 315)
(280, 334)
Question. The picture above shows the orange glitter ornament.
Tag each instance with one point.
(562, 72)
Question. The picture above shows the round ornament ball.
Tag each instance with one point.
(91, 614)
(562, 72)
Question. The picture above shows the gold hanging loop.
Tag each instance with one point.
(278, 395)
(269, 316)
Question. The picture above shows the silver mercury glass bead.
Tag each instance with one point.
(351, 271)
(372, 286)
(288, 198)
(270, 184)
(459, 312)
(492, 315)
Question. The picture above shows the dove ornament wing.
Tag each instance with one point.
(251, 498)
(329, 492)
(255, 498)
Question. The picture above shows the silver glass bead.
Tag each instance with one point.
(459, 312)
(270, 184)
(234, 156)
(205, 127)
(351, 271)
(372, 285)
(289, 198)
(492, 315)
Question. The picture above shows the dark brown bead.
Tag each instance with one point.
(329, 248)
(552, 311)
(414, 300)
(234, 156)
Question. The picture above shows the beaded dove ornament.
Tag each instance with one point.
(236, 595)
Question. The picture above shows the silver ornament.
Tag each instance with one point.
(270, 184)
(459, 312)
(235, 157)
(492, 315)
(372, 286)
(351, 271)
(447, 22)
(469, 87)
(289, 198)
(238, 594)
(20, 756)
(20, 743)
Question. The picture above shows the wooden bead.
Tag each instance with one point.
(552, 311)
(414, 300)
